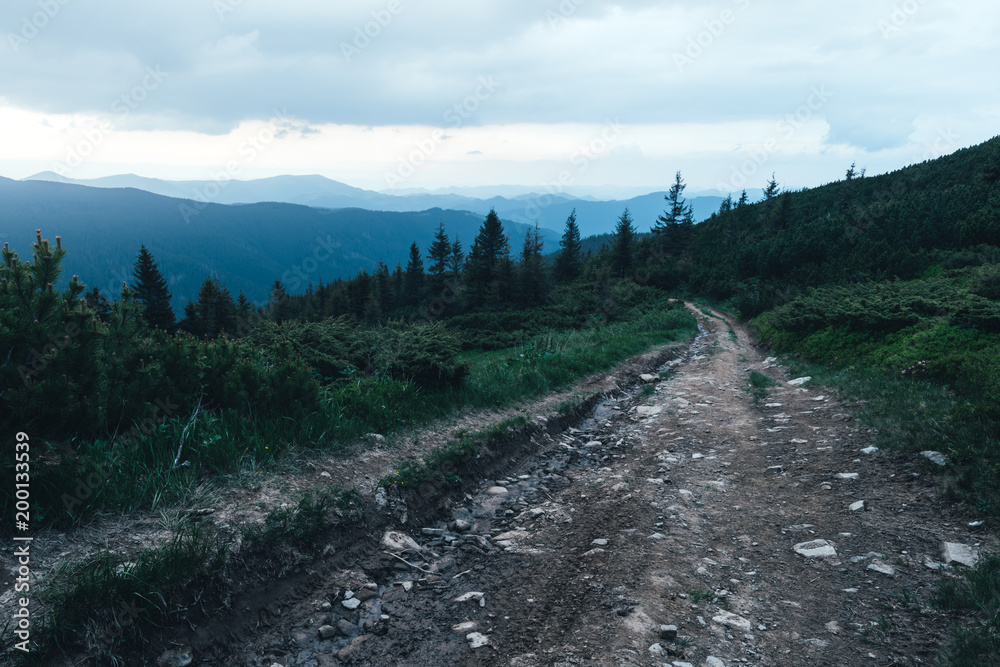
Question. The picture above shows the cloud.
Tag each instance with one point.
(744, 66)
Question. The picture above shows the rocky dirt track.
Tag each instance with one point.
(681, 502)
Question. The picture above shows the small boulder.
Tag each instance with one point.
(963, 554)
(668, 632)
(798, 382)
(935, 457)
(815, 549)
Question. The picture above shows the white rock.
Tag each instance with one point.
(394, 540)
(858, 506)
(593, 443)
(733, 621)
(798, 441)
(869, 450)
(963, 554)
(833, 628)
(770, 360)
(935, 457)
(657, 650)
(472, 595)
(815, 549)
(797, 382)
(772, 405)
(464, 628)
(477, 639)
(846, 475)
(655, 480)
(351, 603)
(648, 410)
(496, 491)
(696, 456)
(512, 535)
(596, 551)
(649, 378)
(600, 542)
(881, 566)
(657, 536)
(712, 661)
(685, 494)
(679, 663)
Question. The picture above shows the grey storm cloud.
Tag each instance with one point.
(403, 62)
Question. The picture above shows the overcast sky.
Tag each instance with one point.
(567, 94)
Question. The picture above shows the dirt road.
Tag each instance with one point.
(678, 503)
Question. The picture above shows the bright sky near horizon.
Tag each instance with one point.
(559, 93)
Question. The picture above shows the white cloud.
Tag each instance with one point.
(899, 72)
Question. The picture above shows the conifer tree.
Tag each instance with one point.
(567, 265)
(150, 290)
(455, 260)
(622, 248)
(438, 254)
(490, 250)
(414, 280)
(213, 313)
(278, 306)
(383, 287)
(97, 303)
(531, 271)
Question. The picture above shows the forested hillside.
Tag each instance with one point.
(247, 247)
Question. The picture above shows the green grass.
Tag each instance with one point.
(977, 591)
(106, 599)
(137, 473)
(759, 384)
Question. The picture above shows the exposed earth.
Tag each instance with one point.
(683, 522)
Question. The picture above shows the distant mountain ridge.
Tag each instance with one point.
(548, 210)
(247, 247)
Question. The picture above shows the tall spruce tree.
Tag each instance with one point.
(455, 259)
(150, 289)
(568, 261)
(531, 270)
(673, 229)
(623, 246)
(414, 280)
(490, 251)
(438, 255)
(213, 313)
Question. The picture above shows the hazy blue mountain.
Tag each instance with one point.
(247, 246)
(550, 211)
